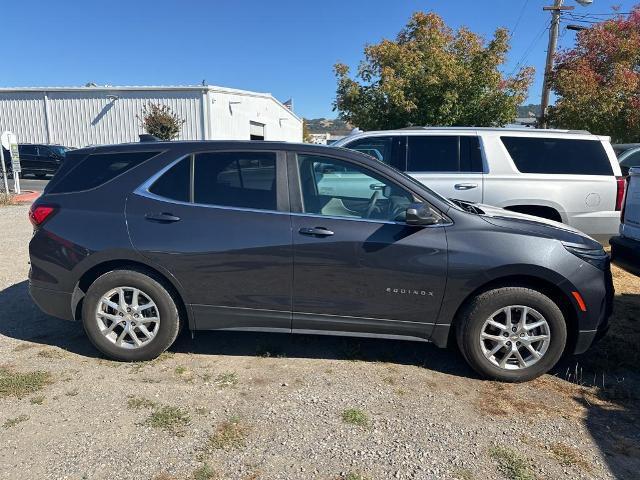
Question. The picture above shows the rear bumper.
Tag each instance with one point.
(598, 225)
(625, 252)
(52, 302)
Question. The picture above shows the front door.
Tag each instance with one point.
(357, 266)
(215, 221)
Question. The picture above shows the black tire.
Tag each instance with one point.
(473, 316)
(153, 288)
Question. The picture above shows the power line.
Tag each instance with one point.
(515, 27)
(531, 46)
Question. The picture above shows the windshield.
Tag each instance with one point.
(59, 150)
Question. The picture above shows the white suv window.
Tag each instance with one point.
(444, 153)
(558, 155)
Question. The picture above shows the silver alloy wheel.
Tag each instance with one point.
(128, 317)
(515, 337)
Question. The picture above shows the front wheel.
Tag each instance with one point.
(130, 316)
(512, 334)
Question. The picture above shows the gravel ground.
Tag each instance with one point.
(258, 406)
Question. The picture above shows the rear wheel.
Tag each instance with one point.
(130, 316)
(512, 334)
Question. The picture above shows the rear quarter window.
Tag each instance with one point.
(97, 169)
(558, 155)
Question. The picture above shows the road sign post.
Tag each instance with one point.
(10, 143)
(4, 171)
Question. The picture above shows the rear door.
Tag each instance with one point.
(28, 157)
(358, 267)
(220, 223)
(449, 164)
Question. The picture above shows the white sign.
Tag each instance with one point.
(7, 138)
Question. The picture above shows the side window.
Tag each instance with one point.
(341, 189)
(175, 183)
(97, 169)
(379, 148)
(558, 155)
(236, 179)
(633, 160)
(443, 153)
(27, 150)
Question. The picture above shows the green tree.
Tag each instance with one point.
(598, 81)
(431, 75)
(160, 121)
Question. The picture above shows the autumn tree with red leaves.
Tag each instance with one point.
(598, 81)
(432, 75)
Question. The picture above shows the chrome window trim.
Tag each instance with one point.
(143, 191)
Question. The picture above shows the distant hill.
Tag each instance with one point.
(326, 125)
(525, 111)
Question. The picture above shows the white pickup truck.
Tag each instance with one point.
(568, 176)
(625, 248)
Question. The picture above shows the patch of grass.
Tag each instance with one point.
(136, 403)
(463, 474)
(39, 400)
(50, 353)
(355, 476)
(180, 370)
(510, 464)
(354, 416)
(20, 385)
(205, 472)
(23, 346)
(568, 456)
(229, 434)
(6, 199)
(171, 419)
(12, 422)
(227, 379)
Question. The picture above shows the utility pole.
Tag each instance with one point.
(554, 28)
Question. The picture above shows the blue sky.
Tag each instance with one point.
(287, 47)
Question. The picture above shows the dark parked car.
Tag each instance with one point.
(37, 159)
(628, 155)
(137, 240)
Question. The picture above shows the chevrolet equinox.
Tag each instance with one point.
(137, 240)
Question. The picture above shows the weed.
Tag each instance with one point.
(463, 474)
(50, 353)
(6, 199)
(12, 422)
(355, 476)
(136, 403)
(171, 419)
(227, 379)
(20, 385)
(180, 370)
(355, 416)
(229, 434)
(568, 456)
(205, 472)
(510, 464)
(39, 400)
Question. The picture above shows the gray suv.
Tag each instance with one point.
(134, 241)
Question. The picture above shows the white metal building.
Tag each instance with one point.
(81, 116)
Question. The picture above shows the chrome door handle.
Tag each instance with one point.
(163, 217)
(465, 186)
(316, 232)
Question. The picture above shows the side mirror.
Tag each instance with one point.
(420, 214)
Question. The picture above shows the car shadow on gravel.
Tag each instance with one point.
(21, 319)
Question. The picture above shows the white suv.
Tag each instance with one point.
(563, 175)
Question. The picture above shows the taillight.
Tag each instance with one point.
(39, 213)
(621, 183)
